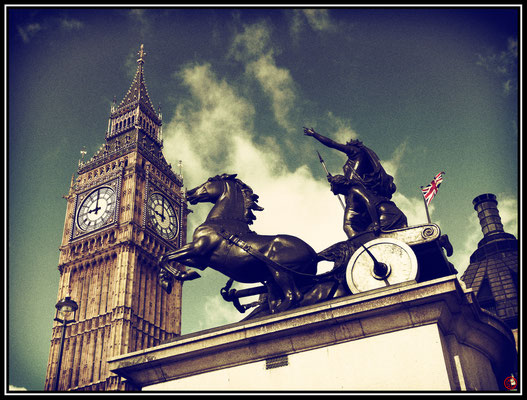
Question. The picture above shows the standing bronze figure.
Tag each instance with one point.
(284, 264)
(367, 189)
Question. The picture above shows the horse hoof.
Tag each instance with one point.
(274, 306)
(166, 285)
(284, 305)
(191, 275)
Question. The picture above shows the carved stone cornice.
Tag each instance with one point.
(151, 153)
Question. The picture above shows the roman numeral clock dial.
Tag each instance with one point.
(162, 216)
(96, 209)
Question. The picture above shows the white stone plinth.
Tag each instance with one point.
(430, 336)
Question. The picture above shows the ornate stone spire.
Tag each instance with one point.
(134, 125)
(136, 110)
(138, 93)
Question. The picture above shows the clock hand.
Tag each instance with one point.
(379, 268)
(158, 213)
(97, 208)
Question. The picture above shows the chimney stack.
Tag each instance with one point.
(488, 214)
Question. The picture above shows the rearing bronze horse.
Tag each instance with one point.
(283, 263)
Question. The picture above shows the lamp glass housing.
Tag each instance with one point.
(66, 308)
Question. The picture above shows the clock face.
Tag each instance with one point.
(97, 209)
(162, 216)
(399, 264)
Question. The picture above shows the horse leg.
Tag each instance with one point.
(189, 254)
(273, 295)
(290, 292)
(186, 255)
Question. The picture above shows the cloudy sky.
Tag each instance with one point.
(427, 89)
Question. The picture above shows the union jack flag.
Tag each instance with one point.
(431, 190)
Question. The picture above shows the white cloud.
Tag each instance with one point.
(216, 312)
(461, 256)
(294, 202)
(205, 125)
(413, 208)
(278, 84)
(28, 31)
(318, 19)
(503, 64)
(508, 209)
(251, 43)
(253, 47)
(71, 24)
(343, 131)
(17, 388)
(391, 166)
(296, 24)
(507, 86)
(139, 15)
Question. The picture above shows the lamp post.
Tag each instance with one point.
(65, 308)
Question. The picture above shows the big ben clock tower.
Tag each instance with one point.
(124, 210)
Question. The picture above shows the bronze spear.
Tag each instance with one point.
(329, 176)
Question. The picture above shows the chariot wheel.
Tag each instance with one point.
(379, 263)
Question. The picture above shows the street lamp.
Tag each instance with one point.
(65, 308)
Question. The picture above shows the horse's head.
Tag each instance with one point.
(209, 191)
(238, 195)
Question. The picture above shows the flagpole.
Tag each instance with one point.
(426, 206)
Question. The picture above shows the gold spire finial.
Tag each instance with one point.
(141, 54)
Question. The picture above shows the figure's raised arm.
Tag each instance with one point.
(326, 141)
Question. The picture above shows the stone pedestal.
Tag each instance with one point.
(429, 336)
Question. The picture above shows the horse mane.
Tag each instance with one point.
(249, 197)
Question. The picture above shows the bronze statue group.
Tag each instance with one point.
(285, 265)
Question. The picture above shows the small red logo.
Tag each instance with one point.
(510, 383)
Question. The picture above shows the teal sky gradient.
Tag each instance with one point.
(428, 89)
